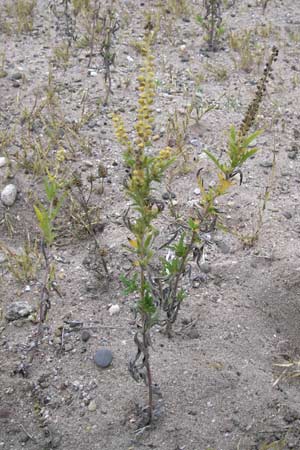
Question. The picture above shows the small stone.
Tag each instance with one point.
(88, 163)
(168, 195)
(103, 357)
(16, 76)
(9, 195)
(92, 406)
(85, 335)
(114, 310)
(18, 310)
(266, 164)
(292, 155)
(287, 214)
(3, 161)
(197, 191)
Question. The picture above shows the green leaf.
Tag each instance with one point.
(247, 140)
(216, 161)
(146, 304)
(131, 285)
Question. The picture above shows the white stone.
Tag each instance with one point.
(113, 310)
(2, 161)
(9, 195)
(92, 406)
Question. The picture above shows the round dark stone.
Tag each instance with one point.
(103, 357)
(85, 335)
(168, 195)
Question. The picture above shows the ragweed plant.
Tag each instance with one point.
(146, 169)
(190, 239)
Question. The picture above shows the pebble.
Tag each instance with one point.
(16, 76)
(114, 310)
(287, 214)
(292, 155)
(103, 357)
(266, 164)
(85, 335)
(3, 161)
(88, 163)
(18, 310)
(92, 406)
(197, 191)
(9, 195)
(168, 195)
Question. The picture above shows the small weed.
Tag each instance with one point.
(21, 14)
(23, 264)
(3, 72)
(275, 445)
(61, 55)
(219, 72)
(212, 22)
(250, 53)
(86, 217)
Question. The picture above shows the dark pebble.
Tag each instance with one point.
(85, 335)
(266, 164)
(103, 357)
(287, 214)
(292, 155)
(168, 195)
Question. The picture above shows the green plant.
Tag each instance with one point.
(160, 287)
(3, 72)
(145, 171)
(21, 12)
(275, 445)
(61, 55)
(110, 27)
(249, 53)
(219, 72)
(23, 264)
(85, 216)
(46, 216)
(212, 22)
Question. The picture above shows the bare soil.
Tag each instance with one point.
(219, 385)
